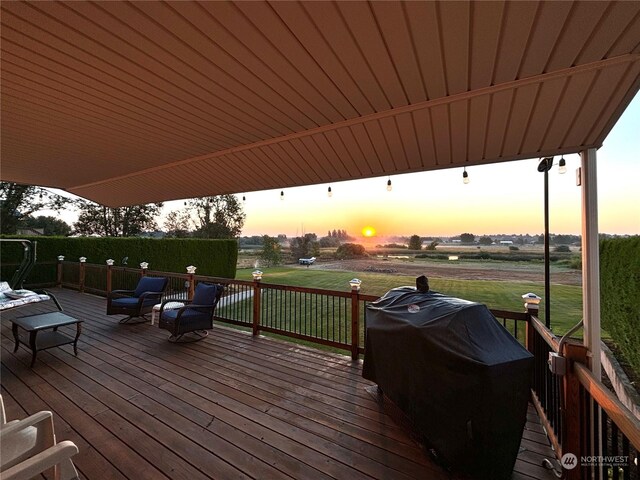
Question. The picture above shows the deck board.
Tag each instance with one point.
(230, 407)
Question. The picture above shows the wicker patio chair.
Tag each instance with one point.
(137, 303)
(196, 317)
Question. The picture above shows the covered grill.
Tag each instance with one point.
(459, 376)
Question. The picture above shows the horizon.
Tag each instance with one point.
(506, 196)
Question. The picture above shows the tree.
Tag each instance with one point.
(467, 238)
(350, 250)
(304, 247)
(176, 225)
(17, 202)
(97, 219)
(51, 225)
(415, 242)
(432, 245)
(218, 217)
(485, 240)
(271, 253)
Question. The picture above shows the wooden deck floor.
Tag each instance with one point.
(230, 407)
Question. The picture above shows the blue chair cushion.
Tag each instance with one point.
(131, 302)
(150, 284)
(205, 294)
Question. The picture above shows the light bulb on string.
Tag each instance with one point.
(562, 165)
(329, 192)
(465, 176)
(281, 194)
(389, 187)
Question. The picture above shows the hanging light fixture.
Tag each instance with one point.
(389, 187)
(244, 197)
(329, 192)
(281, 194)
(465, 176)
(562, 165)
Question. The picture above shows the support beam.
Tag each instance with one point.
(590, 259)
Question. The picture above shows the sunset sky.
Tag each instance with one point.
(500, 198)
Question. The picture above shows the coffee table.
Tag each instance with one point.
(35, 324)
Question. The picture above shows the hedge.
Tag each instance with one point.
(211, 257)
(619, 294)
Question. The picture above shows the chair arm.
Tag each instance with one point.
(45, 417)
(150, 294)
(44, 460)
(192, 306)
(121, 293)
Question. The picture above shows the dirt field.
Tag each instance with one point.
(464, 270)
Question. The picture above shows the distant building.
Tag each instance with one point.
(506, 242)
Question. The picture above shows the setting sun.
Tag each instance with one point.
(368, 231)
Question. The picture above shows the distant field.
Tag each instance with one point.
(566, 308)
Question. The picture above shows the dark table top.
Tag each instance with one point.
(43, 321)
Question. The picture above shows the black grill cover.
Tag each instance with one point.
(459, 376)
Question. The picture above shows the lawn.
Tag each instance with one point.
(566, 307)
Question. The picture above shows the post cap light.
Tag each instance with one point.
(61, 258)
(531, 301)
(83, 259)
(144, 265)
(355, 284)
(257, 275)
(191, 269)
(110, 262)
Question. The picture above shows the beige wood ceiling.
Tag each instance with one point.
(132, 102)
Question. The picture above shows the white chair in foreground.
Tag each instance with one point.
(28, 447)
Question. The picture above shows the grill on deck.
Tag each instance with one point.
(459, 376)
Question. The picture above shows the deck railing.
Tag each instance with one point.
(580, 415)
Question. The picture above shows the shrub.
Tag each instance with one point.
(212, 257)
(350, 250)
(620, 284)
(513, 248)
(562, 249)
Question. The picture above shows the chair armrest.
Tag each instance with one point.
(121, 293)
(149, 294)
(44, 417)
(44, 460)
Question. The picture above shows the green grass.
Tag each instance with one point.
(566, 308)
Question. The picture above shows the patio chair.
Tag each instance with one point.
(195, 317)
(28, 448)
(137, 303)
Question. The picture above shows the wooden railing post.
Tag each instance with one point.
(59, 271)
(191, 287)
(83, 260)
(256, 308)
(572, 416)
(355, 323)
(109, 276)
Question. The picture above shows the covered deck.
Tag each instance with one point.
(233, 406)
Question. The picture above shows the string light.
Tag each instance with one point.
(244, 198)
(281, 194)
(389, 187)
(329, 192)
(465, 176)
(562, 165)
